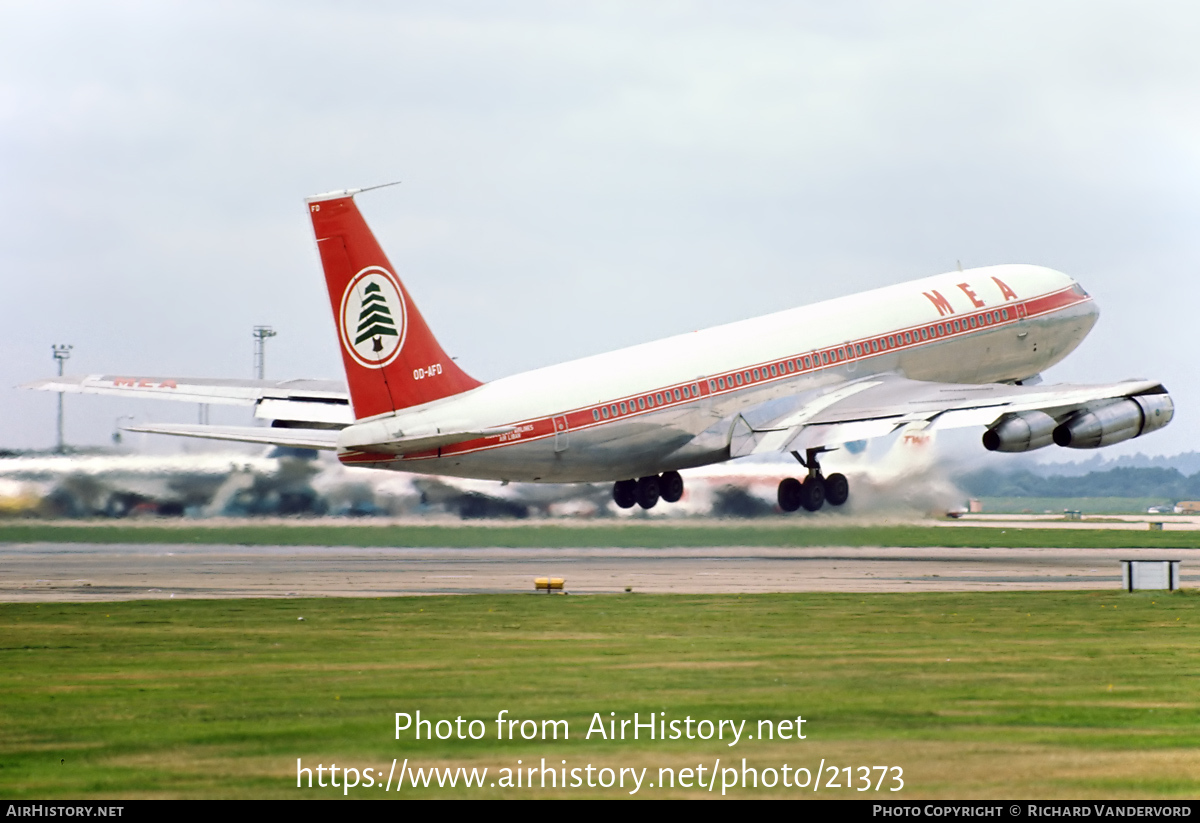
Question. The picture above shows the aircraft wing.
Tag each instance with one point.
(311, 401)
(294, 438)
(877, 406)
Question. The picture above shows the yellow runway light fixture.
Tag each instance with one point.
(548, 584)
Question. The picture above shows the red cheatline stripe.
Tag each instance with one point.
(581, 419)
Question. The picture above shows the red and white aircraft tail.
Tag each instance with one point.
(392, 359)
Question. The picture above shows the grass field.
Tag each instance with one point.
(1080, 695)
(621, 535)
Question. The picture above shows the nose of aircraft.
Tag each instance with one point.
(1088, 307)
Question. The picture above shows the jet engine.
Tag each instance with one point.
(1021, 432)
(1113, 422)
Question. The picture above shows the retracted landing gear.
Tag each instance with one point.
(647, 491)
(815, 490)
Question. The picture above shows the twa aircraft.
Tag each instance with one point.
(953, 350)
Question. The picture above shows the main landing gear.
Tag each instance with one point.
(646, 491)
(816, 490)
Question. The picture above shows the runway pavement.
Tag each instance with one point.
(100, 572)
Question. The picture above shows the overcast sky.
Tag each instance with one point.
(578, 177)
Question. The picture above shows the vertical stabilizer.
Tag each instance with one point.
(392, 359)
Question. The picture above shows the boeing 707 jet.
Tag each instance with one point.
(952, 350)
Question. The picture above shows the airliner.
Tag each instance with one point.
(965, 348)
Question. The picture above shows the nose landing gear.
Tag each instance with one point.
(816, 490)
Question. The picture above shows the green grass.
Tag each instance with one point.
(635, 535)
(1045, 694)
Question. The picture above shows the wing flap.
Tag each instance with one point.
(824, 434)
(305, 410)
(745, 441)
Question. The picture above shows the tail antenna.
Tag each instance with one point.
(372, 188)
(331, 195)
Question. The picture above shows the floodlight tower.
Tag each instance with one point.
(116, 435)
(61, 353)
(261, 334)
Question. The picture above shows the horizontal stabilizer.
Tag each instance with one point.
(366, 438)
(292, 438)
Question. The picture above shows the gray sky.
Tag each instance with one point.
(579, 177)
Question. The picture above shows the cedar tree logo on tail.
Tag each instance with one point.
(372, 319)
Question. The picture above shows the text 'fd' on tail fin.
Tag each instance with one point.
(392, 359)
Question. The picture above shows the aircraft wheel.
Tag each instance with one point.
(837, 489)
(812, 494)
(790, 490)
(647, 491)
(670, 486)
(625, 493)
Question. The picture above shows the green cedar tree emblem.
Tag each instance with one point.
(374, 318)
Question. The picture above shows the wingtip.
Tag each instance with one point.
(43, 384)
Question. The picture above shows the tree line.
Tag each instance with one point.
(1124, 481)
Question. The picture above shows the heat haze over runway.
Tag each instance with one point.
(101, 572)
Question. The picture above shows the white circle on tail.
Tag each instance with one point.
(373, 321)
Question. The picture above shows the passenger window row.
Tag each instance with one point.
(800, 364)
(646, 401)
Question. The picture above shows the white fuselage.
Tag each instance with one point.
(671, 404)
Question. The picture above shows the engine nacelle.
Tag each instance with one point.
(1114, 422)
(1021, 432)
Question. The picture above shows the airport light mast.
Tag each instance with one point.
(261, 335)
(116, 435)
(61, 353)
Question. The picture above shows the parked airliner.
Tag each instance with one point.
(957, 349)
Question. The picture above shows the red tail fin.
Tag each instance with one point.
(392, 359)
